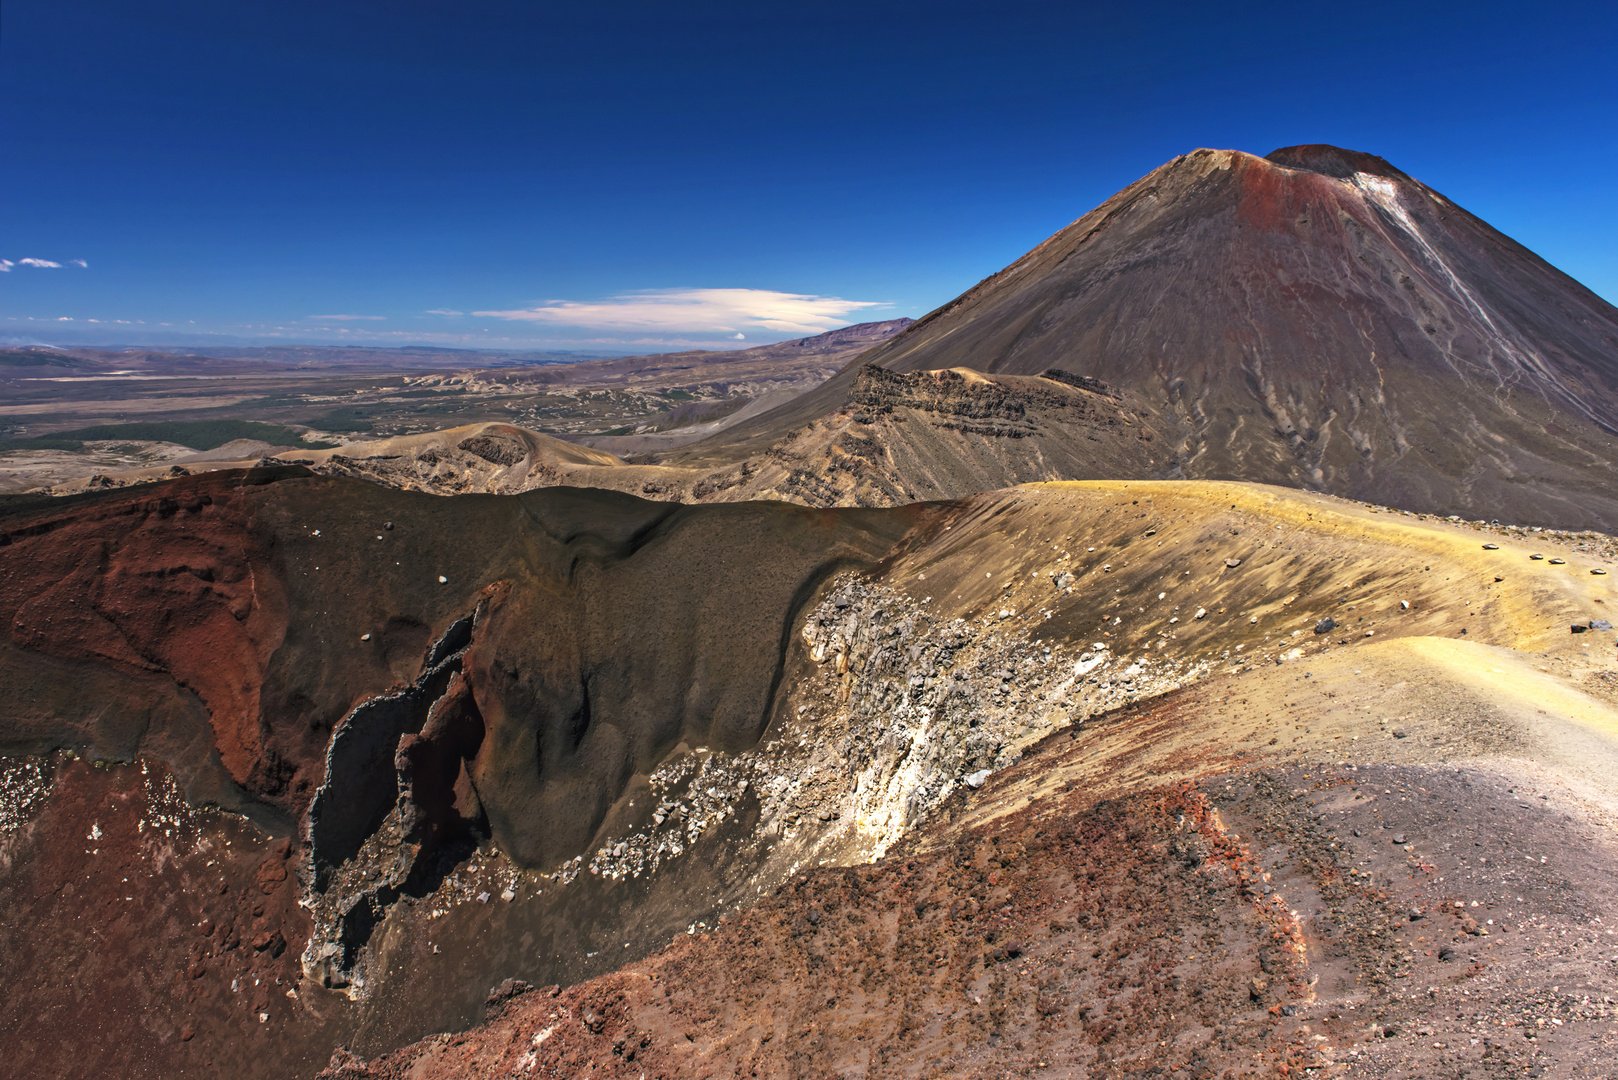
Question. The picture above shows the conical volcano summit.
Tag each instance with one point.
(1315, 318)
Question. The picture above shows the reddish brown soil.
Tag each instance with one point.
(1384, 921)
(1069, 939)
(171, 582)
(143, 938)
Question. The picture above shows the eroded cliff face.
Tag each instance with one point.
(393, 679)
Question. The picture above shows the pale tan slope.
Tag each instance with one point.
(484, 458)
(1518, 689)
(1537, 718)
(507, 438)
(1301, 558)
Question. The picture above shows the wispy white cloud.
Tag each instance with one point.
(441, 311)
(349, 318)
(698, 311)
(39, 264)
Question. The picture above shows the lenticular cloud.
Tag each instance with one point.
(697, 310)
(40, 264)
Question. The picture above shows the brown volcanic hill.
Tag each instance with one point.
(473, 458)
(1315, 318)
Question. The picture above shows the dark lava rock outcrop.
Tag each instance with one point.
(152, 616)
(358, 666)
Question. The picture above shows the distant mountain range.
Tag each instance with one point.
(16, 359)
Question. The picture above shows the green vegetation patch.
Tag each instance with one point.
(20, 358)
(350, 419)
(49, 442)
(197, 434)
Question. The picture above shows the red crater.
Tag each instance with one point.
(1333, 161)
(172, 583)
(1282, 200)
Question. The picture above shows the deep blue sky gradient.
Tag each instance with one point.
(233, 168)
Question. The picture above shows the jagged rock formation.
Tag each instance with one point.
(973, 402)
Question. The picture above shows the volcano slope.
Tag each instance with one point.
(275, 784)
(1315, 318)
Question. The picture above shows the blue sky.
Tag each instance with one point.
(653, 175)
